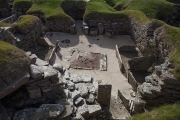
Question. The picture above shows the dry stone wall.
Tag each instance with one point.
(22, 37)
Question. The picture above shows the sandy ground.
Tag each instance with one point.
(100, 44)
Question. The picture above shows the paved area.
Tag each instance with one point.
(99, 44)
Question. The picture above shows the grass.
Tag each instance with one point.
(102, 11)
(3, 24)
(151, 8)
(51, 9)
(165, 112)
(10, 54)
(13, 63)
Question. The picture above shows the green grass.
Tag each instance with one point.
(25, 20)
(151, 8)
(9, 53)
(165, 112)
(3, 24)
(102, 11)
(51, 9)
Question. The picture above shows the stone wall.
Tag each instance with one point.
(27, 36)
(109, 28)
(160, 87)
(10, 19)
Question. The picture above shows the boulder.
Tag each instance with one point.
(82, 88)
(48, 111)
(36, 72)
(75, 94)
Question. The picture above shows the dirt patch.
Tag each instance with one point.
(90, 61)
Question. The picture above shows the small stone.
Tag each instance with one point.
(94, 110)
(78, 100)
(58, 67)
(90, 99)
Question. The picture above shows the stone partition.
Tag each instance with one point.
(10, 19)
(108, 28)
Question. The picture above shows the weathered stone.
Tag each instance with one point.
(40, 62)
(20, 82)
(78, 117)
(66, 114)
(90, 99)
(50, 73)
(81, 78)
(83, 110)
(75, 94)
(34, 92)
(24, 114)
(36, 72)
(94, 110)
(141, 63)
(48, 111)
(71, 85)
(78, 100)
(104, 94)
(91, 88)
(82, 88)
(67, 75)
(58, 67)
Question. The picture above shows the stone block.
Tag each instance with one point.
(104, 94)
(34, 92)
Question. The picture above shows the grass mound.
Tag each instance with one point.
(165, 112)
(100, 10)
(152, 8)
(51, 9)
(13, 63)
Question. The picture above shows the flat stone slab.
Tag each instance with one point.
(81, 78)
(50, 73)
(82, 88)
(40, 62)
(94, 110)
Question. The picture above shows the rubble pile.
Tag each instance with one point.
(53, 93)
(160, 87)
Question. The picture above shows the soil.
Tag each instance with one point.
(91, 61)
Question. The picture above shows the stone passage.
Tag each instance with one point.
(90, 61)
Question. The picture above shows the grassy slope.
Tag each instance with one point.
(100, 10)
(51, 9)
(152, 8)
(10, 54)
(165, 112)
